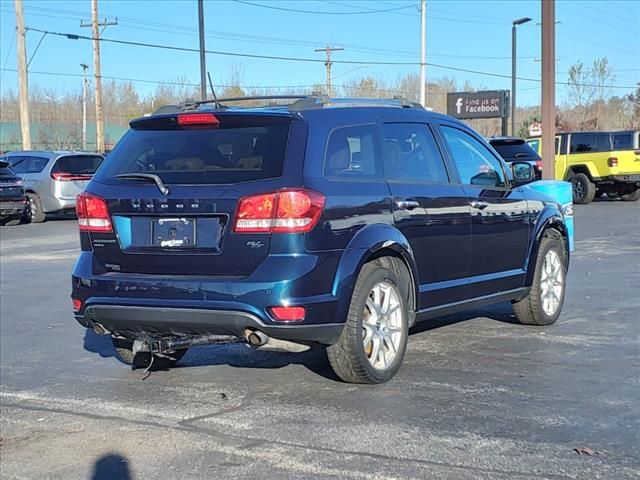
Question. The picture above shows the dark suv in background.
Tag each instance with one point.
(338, 223)
(513, 149)
(12, 199)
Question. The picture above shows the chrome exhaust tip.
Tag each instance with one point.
(255, 338)
(100, 330)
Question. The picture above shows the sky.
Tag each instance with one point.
(469, 35)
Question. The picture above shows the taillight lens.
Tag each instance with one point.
(286, 211)
(612, 161)
(93, 214)
(198, 120)
(69, 177)
(539, 164)
(77, 304)
(288, 314)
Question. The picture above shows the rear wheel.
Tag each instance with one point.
(584, 191)
(543, 303)
(631, 196)
(124, 350)
(374, 339)
(34, 212)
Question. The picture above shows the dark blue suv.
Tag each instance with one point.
(329, 222)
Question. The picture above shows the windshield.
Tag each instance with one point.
(241, 152)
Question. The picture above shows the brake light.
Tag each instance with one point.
(539, 164)
(69, 177)
(198, 119)
(288, 314)
(286, 211)
(612, 161)
(93, 214)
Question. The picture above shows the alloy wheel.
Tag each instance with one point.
(382, 325)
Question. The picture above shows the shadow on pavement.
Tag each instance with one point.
(111, 467)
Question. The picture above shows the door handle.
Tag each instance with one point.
(479, 204)
(407, 204)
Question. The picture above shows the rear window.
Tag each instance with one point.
(240, 150)
(77, 164)
(513, 149)
(590, 142)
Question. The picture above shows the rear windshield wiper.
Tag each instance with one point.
(521, 154)
(146, 177)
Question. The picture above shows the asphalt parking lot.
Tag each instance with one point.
(478, 397)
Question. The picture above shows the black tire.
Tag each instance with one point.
(584, 191)
(347, 356)
(631, 196)
(530, 310)
(124, 350)
(34, 212)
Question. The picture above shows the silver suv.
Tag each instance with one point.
(52, 180)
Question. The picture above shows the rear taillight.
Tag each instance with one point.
(93, 214)
(288, 314)
(69, 177)
(612, 161)
(286, 211)
(539, 164)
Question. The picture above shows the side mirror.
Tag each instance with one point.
(523, 173)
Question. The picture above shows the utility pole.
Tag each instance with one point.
(25, 124)
(328, 64)
(423, 53)
(203, 66)
(84, 106)
(95, 29)
(548, 89)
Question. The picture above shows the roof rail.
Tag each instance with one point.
(299, 102)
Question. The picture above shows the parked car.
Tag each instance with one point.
(298, 225)
(591, 163)
(513, 149)
(52, 180)
(12, 199)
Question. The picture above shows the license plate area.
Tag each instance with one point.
(177, 232)
(142, 234)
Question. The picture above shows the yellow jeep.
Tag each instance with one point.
(588, 161)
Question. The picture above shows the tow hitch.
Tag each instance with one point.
(166, 346)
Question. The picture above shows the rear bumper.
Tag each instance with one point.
(51, 204)
(134, 320)
(135, 304)
(626, 178)
(13, 207)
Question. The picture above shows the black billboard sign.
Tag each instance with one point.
(487, 104)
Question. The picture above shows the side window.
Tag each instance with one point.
(557, 145)
(410, 153)
(351, 153)
(535, 144)
(589, 142)
(623, 141)
(37, 164)
(18, 164)
(476, 165)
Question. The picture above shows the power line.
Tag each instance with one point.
(257, 38)
(73, 36)
(316, 12)
(6, 59)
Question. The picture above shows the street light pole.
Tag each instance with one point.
(203, 66)
(515, 23)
